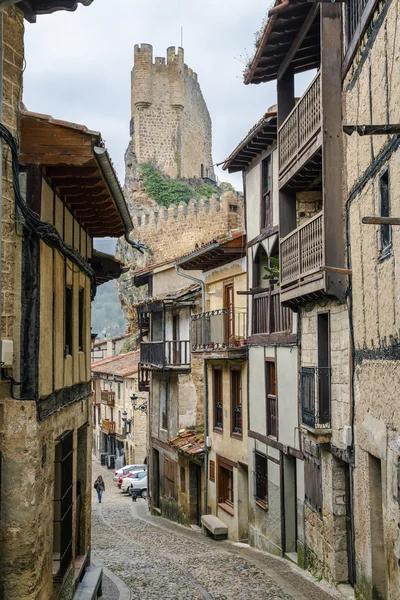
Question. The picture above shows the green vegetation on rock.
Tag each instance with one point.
(167, 191)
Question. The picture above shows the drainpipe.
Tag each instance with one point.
(203, 309)
(1, 174)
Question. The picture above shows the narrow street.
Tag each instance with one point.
(157, 559)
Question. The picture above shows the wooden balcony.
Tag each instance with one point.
(302, 261)
(108, 427)
(271, 322)
(299, 136)
(108, 398)
(173, 355)
(144, 379)
(219, 330)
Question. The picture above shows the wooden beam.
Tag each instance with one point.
(381, 220)
(71, 182)
(372, 129)
(298, 40)
(71, 171)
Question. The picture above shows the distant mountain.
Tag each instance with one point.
(107, 317)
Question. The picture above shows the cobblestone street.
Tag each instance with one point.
(159, 559)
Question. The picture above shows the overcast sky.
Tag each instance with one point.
(78, 64)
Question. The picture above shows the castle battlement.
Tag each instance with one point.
(174, 231)
(147, 219)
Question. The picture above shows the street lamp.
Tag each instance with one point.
(142, 407)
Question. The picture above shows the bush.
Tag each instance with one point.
(167, 191)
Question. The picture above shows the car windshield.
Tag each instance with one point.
(138, 475)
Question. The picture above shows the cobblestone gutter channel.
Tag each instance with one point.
(158, 560)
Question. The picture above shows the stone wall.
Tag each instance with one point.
(13, 59)
(376, 287)
(308, 204)
(174, 231)
(171, 122)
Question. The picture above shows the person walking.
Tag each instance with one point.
(100, 487)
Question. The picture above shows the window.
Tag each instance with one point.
(63, 500)
(119, 420)
(230, 311)
(212, 470)
(260, 479)
(266, 195)
(81, 307)
(169, 478)
(272, 402)
(183, 479)
(225, 484)
(313, 483)
(68, 320)
(217, 398)
(236, 401)
(164, 405)
(386, 230)
(323, 409)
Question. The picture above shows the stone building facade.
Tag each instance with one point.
(171, 125)
(312, 270)
(119, 421)
(47, 281)
(372, 188)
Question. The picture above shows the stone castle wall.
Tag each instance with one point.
(174, 231)
(170, 120)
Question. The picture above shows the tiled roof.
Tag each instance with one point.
(121, 364)
(176, 295)
(189, 441)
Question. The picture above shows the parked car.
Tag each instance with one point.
(138, 486)
(128, 475)
(133, 478)
(126, 469)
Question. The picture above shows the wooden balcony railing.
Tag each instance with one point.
(302, 251)
(301, 125)
(144, 379)
(169, 353)
(316, 397)
(108, 398)
(219, 329)
(108, 426)
(269, 316)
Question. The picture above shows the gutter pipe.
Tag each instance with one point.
(205, 383)
(111, 178)
(1, 175)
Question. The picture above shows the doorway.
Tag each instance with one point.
(195, 493)
(376, 521)
(230, 311)
(349, 524)
(289, 505)
(176, 340)
(155, 491)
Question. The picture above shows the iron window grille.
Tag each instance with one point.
(236, 401)
(316, 397)
(261, 478)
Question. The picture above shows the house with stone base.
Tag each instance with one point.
(219, 340)
(372, 189)
(313, 273)
(49, 276)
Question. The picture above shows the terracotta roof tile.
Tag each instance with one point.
(121, 364)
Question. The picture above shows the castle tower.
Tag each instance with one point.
(171, 125)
